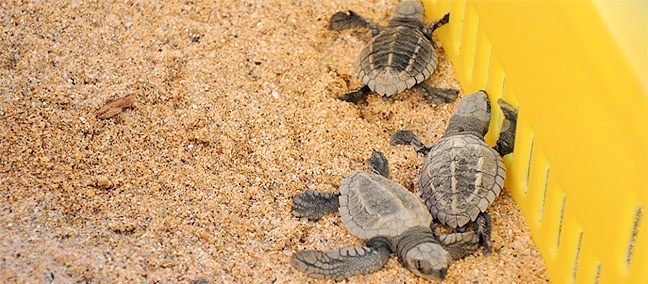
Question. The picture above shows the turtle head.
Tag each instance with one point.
(408, 11)
(428, 260)
(472, 115)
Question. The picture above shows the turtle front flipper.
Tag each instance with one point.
(313, 204)
(460, 245)
(342, 263)
(344, 20)
(407, 137)
(429, 29)
(506, 139)
(355, 96)
(438, 95)
(379, 163)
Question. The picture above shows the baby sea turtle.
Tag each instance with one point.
(461, 174)
(388, 218)
(400, 56)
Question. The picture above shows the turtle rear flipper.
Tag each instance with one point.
(313, 204)
(355, 96)
(438, 95)
(342, 263)
(484, 226)
(460, 245)
(344, 20)
(506, 139)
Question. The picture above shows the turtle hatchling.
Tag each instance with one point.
(461, 174)
(400, 56)
(388, 218)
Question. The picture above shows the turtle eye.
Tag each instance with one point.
(442, 273)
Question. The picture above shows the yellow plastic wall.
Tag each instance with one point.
(578, 70)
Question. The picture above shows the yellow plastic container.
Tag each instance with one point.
(578, 70)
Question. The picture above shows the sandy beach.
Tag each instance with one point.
(234, 111)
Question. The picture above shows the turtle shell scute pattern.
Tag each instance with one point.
(372, 205)
(397, 59)
(460, 178)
